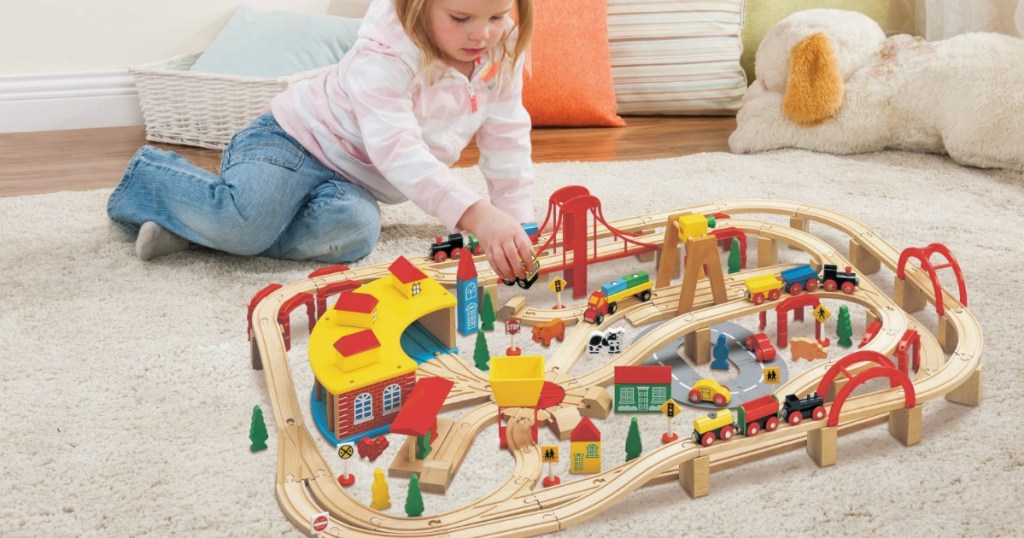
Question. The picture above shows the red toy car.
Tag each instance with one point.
(761, 347)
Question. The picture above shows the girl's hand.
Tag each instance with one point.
(503, 239)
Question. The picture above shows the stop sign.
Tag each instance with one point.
(319, 522)
(512, 326)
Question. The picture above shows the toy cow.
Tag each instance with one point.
(544, 332)
(610, 339)
(596, 342)
(806, 348)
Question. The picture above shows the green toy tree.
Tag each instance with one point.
(481, 355)
(634, 446)
(487, 313)
(844, 328)
(735, 256)
(258, 430)
(423, 445)
(414, 501)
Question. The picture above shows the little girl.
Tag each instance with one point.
(384, 124)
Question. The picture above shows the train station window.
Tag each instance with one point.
(626, 396)
(362, 408)
(392, 398)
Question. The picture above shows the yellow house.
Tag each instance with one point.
(358, 350)
(356, 309)
(585, 448)
(407, 279)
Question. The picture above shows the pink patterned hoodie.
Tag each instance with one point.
(371, 119)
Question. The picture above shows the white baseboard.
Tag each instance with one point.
(59, 101)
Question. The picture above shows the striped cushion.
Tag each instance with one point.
(676, 56)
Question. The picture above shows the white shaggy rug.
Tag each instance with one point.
(127, 389)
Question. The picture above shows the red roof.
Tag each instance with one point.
(405, 271)
(467, 269)
(643, 375)
(420, 408)
(585, 431)
(353, 301)
(355, 343)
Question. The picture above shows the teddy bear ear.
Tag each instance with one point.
(814, 88)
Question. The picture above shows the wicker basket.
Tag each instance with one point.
(202, 109)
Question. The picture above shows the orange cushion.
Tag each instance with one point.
(570, 79)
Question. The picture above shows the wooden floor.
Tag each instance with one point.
(51, 161)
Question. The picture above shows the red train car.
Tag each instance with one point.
(756, 415)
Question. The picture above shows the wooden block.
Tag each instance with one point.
(821, 446)
(908, 297)
(512, 308)
(647, 257)
(436, 476)
(905, 425)
(946, 335)
(969, 393)
(597, 403)
(697, 345)
(564, 419)
(694, 476)
(767, 251)
(865, 263)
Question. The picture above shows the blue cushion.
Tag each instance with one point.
(277, 43)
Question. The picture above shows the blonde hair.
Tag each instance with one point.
(413, 16)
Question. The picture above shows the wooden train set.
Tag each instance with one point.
(927, 366)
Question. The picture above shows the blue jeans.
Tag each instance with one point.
(272, 198)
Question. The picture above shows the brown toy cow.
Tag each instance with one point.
(806, 348)
(544, 332)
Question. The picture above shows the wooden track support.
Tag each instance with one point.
(564, 419)
(697, 345)
(694, 476)
(946, 335)
(905, 425)
(969, 393)
(908, 297)
(597, 403)
(821, 446)
(860, 258)
(767, 251)
(668, 256)
(799, 223)
(700, 253)
(675, 270)
(512, 308)
(869, 317)
(833, 389)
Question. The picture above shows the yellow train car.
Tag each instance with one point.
(717, 425)
(763, 287)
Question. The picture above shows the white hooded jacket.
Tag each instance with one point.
(372, 120)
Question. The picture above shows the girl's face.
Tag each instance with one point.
(464, 29)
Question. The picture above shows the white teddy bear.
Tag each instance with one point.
(829, 80)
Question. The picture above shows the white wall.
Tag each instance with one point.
(56, 36)
(64, 63)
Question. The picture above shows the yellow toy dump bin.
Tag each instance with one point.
(516, 381)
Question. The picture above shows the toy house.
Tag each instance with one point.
(356, 309)
(642, 389)
(585, 448)
(407, 278)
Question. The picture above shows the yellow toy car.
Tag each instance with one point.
(709, 390)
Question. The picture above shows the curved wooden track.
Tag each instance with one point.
(306, 486)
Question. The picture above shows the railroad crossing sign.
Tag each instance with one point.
(318, 522)
(346, 450)
(821, 313)
(670, 408)
(772, 375)
(549, 453)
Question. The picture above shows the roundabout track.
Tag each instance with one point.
(306, 486)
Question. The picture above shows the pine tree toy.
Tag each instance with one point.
(481, 355)
(414, 501)
(258, 430)
(487, 316)
(634, 445)
(844, 329)
(735, 256)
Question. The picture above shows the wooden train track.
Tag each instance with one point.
(305, 484)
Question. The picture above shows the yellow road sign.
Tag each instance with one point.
(821, 313)
(557, 284)
(670, 408)
(346, 450)
(549, 453)
(772, 375)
